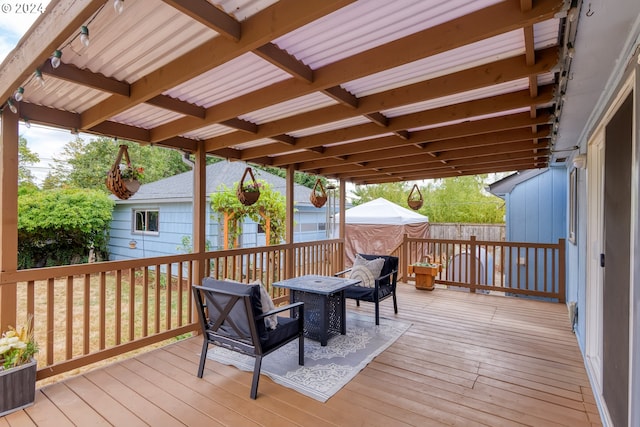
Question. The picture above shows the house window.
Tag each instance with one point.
(146, 221)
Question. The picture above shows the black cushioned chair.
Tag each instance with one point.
(385, 285)
(231, 316)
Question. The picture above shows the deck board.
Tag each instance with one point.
(467, 360)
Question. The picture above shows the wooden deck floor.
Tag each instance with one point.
(467, 360)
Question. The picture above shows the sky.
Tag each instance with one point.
(45, 142)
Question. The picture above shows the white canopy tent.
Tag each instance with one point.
(377, 227)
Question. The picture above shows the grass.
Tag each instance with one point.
(68, 314)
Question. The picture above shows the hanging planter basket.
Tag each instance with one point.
(122, 188)
(413, 202)
(318, 195)
(248, 193)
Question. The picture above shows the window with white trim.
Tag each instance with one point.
(146, 221)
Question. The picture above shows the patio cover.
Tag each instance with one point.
(378, 227)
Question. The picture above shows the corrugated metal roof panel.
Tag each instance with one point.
(489, 50)
(460, 97)
(330, 126)
(470, 119)
(209, 132)
(299, 105)
(62, 95)
(140, 49)
(242, 9)
(146, 116)
(237, 77)
(367, 24)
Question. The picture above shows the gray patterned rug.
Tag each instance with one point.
(326, 369)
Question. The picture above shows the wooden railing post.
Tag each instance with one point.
(404, 257)
(473, 274)
(8, 216)
(562, 270)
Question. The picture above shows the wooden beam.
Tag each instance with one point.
(459, 82)
(342, 96)
(242, 125)
(73, 74)
(512, 167)
(175, 105)
(280, 58)
(385, 143)
(274, 21)
(394, 157)
(466, 110)
(482, 24)
(209, 15)
(475, 163)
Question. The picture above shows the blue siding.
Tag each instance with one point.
(175, 222)
(536, 208)
(536, 213)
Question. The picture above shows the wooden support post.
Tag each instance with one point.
(199, 211)
(8, 215)
(342, 224)
(562, 271)
(473, 267)
(290, 256)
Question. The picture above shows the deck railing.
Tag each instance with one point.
(86, 313)
(513, 268)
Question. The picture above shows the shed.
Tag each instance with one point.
(378, 227)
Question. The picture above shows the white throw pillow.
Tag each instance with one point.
(271, 322)
(367, 271)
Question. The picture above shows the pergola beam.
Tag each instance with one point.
(256, 31)
(476, 26)
(477, 77)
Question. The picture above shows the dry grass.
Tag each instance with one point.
(66, 302)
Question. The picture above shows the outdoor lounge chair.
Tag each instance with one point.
(231, 316)
(382, 287)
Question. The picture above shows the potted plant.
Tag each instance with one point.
(17, 369)
(426, 273)
(132, 176)
(248, 192)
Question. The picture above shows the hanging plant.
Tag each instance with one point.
(123, 180)
(318, 195)
(248, 193)
(415, 200)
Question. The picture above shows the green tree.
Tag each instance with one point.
(26, 158)
(460, 199)
(61, 226)
(271, 203)
(395, 192)
(85, 165)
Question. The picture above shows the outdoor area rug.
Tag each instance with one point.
(326, 369)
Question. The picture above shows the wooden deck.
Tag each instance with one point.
(467, 360)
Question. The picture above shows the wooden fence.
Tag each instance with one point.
(461, 231)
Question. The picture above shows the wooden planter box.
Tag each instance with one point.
(425, 276)
(17, 388)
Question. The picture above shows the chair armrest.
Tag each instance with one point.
(340, 273)
(280, 309)
(391, 282)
